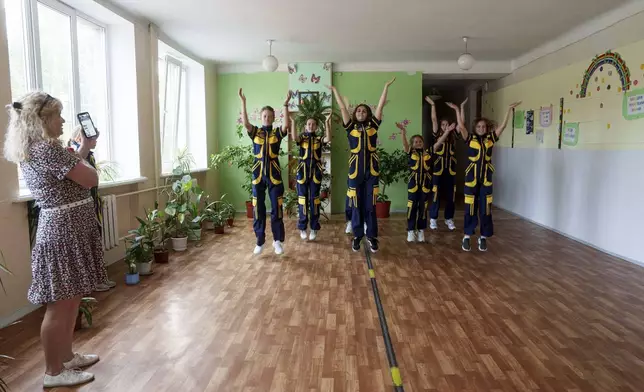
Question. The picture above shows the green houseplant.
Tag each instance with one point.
(87, 306)
(160, 233)
(177, 210)
(393, 168)
(228, 212)
(242, 157)
(195, 212)
(140, 248)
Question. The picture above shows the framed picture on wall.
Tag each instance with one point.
(307, 94)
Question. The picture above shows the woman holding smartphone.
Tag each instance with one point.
(67, 256)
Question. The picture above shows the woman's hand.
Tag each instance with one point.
(515, 104)
(451, 105)
(242, 96)
(429, 100)
(389, 83)
(288, 98)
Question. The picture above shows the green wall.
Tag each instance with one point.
(405, 103)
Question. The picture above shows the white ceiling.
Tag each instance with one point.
(235, 31)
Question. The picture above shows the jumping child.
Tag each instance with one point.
(362, 133)
(309, 174)
(419, 183)
(478, 175)
(267, 173)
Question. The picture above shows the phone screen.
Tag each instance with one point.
(88, 125)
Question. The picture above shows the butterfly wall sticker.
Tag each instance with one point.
(302, 78)
(327, 66)
(292, 68)
(315, 79)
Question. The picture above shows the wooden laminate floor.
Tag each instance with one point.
(537, 312)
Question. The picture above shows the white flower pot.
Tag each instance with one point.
(144, 268)
(179, 244)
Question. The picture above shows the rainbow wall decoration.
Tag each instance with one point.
(608, 58)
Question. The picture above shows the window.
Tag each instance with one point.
(54, 48)
(182, 115)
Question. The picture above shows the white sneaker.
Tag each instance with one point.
(421, 236)
(67, 378)
(313, 235)
(432, 224)
(110, 283)
(278, 247)
(450, 224)
(303, 234)
(348, 229)
(258, 249)
(102, 287)
(411, 236)
(81, 361)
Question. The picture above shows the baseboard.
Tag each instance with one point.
(17, 315)
(640, 263)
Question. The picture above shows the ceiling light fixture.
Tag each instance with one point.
(466, 60)
(270, 63)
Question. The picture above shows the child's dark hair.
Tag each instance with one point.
(269, 108)
(367, 108)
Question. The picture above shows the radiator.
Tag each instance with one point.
(110, 223)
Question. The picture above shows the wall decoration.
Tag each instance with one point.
(571, 134)
(402, 125)
(608, 58)
(529, 122)
(540, 135)
(519, 118)
(309, 78)
(307, 94)
(545, 116)
(561, 109)
(633, 104)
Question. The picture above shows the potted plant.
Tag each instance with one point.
(87, 306)
(132, 274)
(242, 157)
(228, 212)
(195, 211)
(393, 168)
(141, 245)
(160, 234)
(290, 203)
(177, 212)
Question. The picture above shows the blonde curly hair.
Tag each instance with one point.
(28, 123)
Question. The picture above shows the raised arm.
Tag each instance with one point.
(499, 130)
(383, 100)
(443, 137)
(463, 110)
(286, 126)
(461, 123)
(403, 133)
(293, 130)
(247, 124)
(346, 117)
(434, 118)
(327, 127)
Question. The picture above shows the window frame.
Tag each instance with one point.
(33, 63)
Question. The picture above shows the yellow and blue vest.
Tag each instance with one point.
(420, 176)
(310, 166)
(479, 153)
(266, 150)
(445, 158)
(363, 143)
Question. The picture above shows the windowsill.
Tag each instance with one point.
(24, 195)
(202, 170)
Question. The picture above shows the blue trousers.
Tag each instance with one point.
(308, 200)
(362, 201)
(276, 195)
(478, 205)
(347, 209)
(445, 186)
(417, 204)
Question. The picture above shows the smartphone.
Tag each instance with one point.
(87, 124)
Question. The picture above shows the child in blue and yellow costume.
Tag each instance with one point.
(309, 174)
(478, 175)
(267, 173)
(419, 185)
(362, 134)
